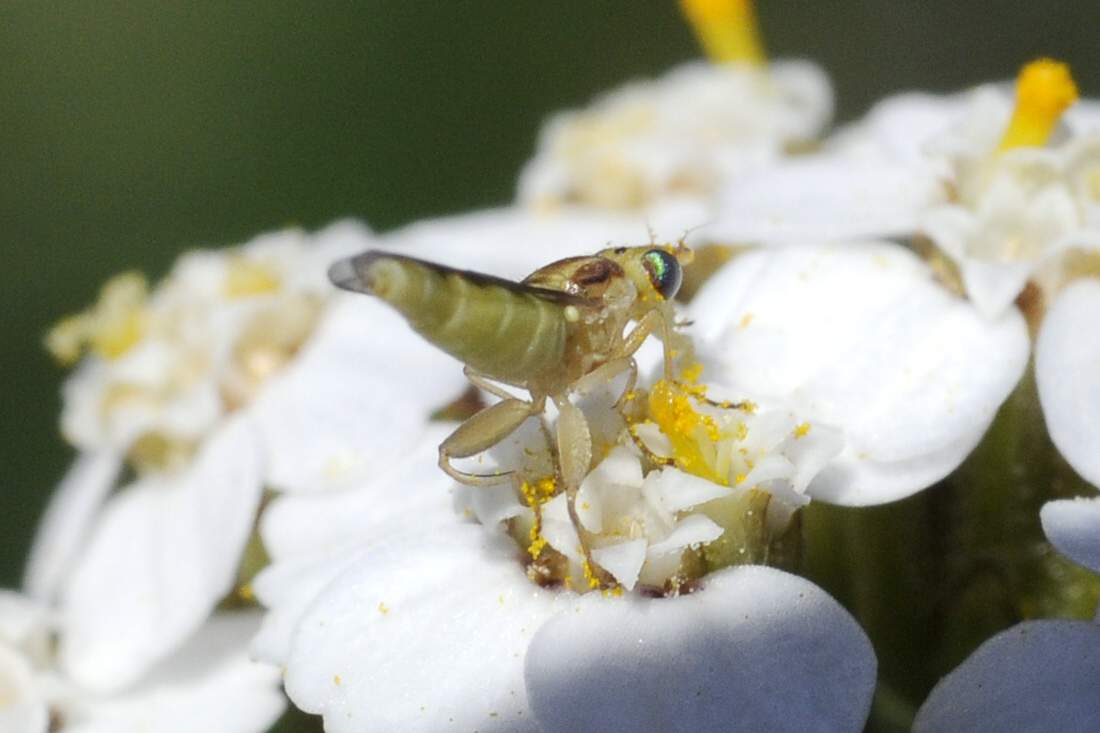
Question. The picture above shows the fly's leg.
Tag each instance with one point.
(483, 431)
(574, 444)
(575, 455)
(651, 322)
(480, 381)
(608, 371)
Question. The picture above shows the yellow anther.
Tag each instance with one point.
(110, 327)
(1044, 90)
(726, 29)
(247, 277)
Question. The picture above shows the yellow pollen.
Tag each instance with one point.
(246, 278)
(802, 430)
(246, 593)
(109, 328)
(687, 430)
(740, 478)
(1044, 90)
(742, 431)
(590, 576)
(726, 30)
(745, 321)
(337, 680)
(383, 608)
(692, 373)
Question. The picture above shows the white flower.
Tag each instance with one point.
(698, 127)
(389, 611)
(1039, 676)
(420, 622)
(208, 684)
(864, 340)
(168, 389)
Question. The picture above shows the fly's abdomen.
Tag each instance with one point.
(501, 332)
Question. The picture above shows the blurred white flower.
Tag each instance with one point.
(1041, 676)
(1000, 188)
(208, 684)
(696, 128)
(167, 390)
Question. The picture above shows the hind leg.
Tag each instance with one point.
(483, 431)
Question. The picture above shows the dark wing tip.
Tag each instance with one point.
(350, 273)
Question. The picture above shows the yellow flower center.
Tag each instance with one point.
(109, 328)
(247, 278)
(726, 30)
(1044, 90)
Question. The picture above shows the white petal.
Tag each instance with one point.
(694, 529)
(559, 530)
(357, 398)
(1038, 676)
(1073, 527)
(22, 619)
(65, 525)
(286, 588)
(674, 491)
(824, 198)
(430, 633)
(163, 554)
(22, 709)
(862, 338)
(209, 685)
(1067, 369)
(619, 468)
(408, 484)
(624, 561)
(813, 452)
(756, 649)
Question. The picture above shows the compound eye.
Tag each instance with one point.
(664, 272)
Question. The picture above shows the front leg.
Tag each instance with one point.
(655, 321)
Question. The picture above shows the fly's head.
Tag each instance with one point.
(656, 271)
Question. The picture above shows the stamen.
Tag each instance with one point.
(1044, 90)
(687, 430)
(726, 30)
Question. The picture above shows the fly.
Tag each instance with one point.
(562, 329)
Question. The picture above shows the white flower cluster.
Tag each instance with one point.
(865, 368)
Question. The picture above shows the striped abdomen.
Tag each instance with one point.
(490, 324)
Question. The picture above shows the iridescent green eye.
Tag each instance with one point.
(664, 272)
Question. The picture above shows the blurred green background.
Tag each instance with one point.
(130, 131)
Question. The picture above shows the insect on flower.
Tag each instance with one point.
(562, 329)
